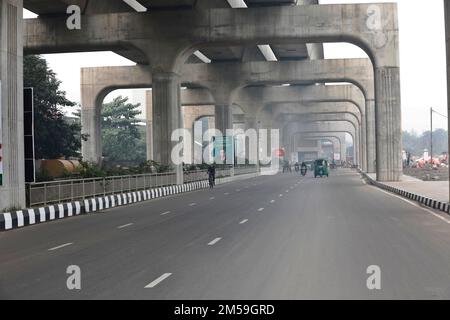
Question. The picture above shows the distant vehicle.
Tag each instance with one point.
(321, 168)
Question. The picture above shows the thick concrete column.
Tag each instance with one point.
(12, 190)
(166, 117)
(223, 118)
(251, 122)
(370, 136)
(364, 143)
(388, 124)
(190, 114)
(447, 41)
(91, 148)
(149, 123)
(92, 95)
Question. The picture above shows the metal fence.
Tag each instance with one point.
(44, 193)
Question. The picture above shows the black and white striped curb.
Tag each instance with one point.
(431, 203)
(22, 218)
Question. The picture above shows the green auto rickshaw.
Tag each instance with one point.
(321, 168)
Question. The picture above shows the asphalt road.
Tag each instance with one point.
(279, 237)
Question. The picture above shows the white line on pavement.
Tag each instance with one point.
(125, 225)
(226, 193)
(164, 213)
(414, 204)
(272, 201)
(158, 281)
(260, 209)
(281, 195)
(212, 198)
(243, 221)
(61, 246)
(214, 241)
(192, 204)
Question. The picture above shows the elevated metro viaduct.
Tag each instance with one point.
(145, 38)
(228, 79)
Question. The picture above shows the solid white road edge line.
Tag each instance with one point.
(413, 204)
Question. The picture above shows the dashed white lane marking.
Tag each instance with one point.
(214, 241)
(260, 209)
(414, 204)
(287, 191)
(158, 281)
(281, 195)
(125, 225)
(238, 190)
(61, 246)
(227, 193)
(164, 213)
(192, 204)
(212, 198)
(272, 201)
(243, 221)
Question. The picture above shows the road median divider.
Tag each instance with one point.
(27, 217)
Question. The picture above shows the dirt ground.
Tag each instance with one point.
(439, 174)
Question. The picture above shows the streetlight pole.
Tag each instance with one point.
(431, 140)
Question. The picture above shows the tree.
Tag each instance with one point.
(415, 144)
(121, 133)
(54, 136)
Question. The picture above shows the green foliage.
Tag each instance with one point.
(91, 170)
(415, 144)
(54, 136)
(122, 136)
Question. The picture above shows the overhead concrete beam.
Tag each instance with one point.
(338, 138)
(295, 128)
(96, 83)
(337, 117)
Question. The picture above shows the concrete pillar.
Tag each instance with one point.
(364, 143)
(91, 148)
(370, 136)
(92, 96)
(343, 148)
(224, 118)
(447, 40)
(166, 117)
(149, 123)
(252, 123)
(12, 191)
(388, 124)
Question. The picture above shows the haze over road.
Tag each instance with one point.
(281, 237)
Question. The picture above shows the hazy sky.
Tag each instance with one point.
(422, 58)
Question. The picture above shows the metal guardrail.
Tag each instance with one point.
(45, 193)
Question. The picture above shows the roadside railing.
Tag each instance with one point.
(45, 193)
